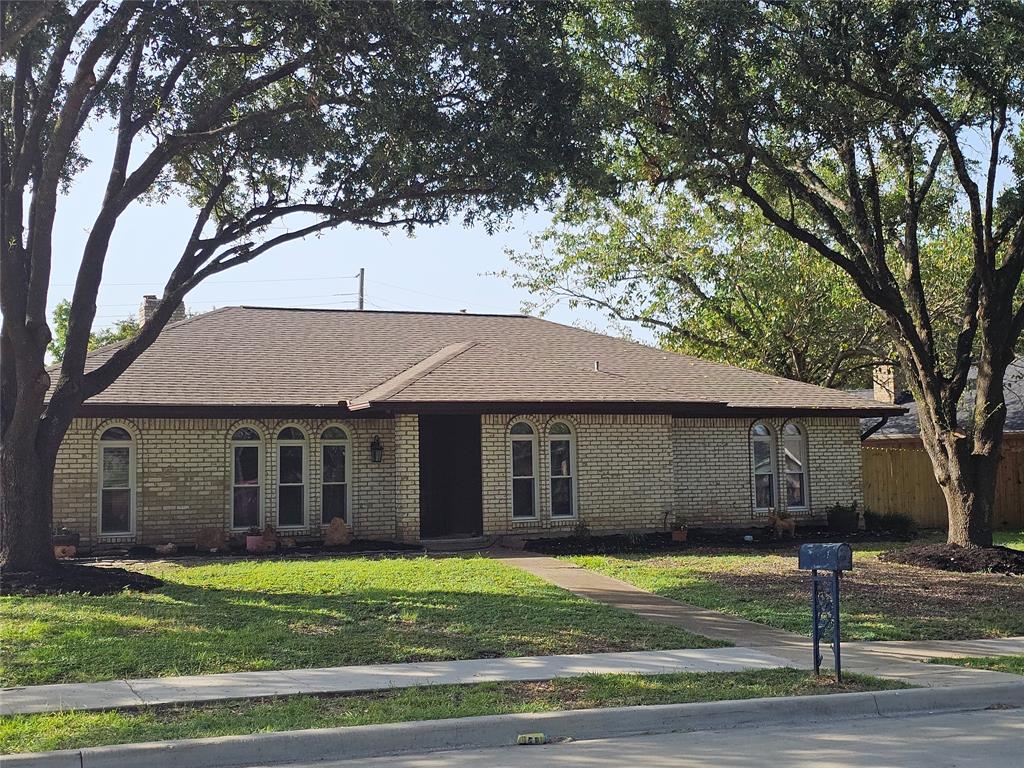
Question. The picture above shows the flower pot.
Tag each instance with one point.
(254, 543)
(679, 535)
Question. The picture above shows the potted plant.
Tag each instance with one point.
(65, 542)
(679, 530)
(64, 536)
(254, 539)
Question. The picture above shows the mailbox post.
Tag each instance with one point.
(826, 562)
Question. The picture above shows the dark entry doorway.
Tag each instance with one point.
(451, 486)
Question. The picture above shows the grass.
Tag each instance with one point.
(34, 733)
(281, 614)
(1011, 539)
(1014, 664)
(880, 601)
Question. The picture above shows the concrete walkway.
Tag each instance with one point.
(612, 591)
(245, 685)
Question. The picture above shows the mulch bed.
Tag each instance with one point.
(88, 580)
(143, 552)
(950, 557)
(762, 540)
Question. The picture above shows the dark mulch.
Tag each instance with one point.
(950, 557)
(143, 552)
(761, 540)
(85, 579)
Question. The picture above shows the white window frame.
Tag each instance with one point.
(573, 473)
(346, 443)
(279, 444)
(774, 461)
(104, 444)
(260, 474)
(803, 464)
(535, 451)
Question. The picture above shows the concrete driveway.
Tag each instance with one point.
(991, 738)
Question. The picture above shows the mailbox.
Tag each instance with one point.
(826, 557)
(826, 562)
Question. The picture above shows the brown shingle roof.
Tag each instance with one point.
(253, 356)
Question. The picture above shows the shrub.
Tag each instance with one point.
(890, 522)
(843, 518)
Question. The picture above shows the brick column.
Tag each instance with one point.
(407, 477)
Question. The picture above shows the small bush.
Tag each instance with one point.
(889, 522)
(843, 518)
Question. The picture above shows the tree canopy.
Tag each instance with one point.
(122, 330)
(276, 121)
(855, 128)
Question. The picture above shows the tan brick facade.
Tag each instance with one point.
(632, 472)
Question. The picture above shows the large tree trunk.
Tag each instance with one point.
(970, 492)
(26, 506)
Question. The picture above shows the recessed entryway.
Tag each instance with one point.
(451, 486)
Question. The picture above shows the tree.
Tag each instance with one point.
(276, 121)
(122, 330)
(715, 282)
(837, 120)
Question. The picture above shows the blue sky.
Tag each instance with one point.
(439, 269)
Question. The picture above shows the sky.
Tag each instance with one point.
(440, 269)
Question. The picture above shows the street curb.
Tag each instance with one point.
(502, 730)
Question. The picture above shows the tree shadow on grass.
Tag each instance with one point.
(189, 629)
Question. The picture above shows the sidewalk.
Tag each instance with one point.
(245, 685)
(612, 591)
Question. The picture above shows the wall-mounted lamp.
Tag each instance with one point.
(376, 450)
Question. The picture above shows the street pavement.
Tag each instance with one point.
(986, 739)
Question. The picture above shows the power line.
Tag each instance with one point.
(224, 282)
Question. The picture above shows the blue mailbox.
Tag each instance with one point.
(826, 562)
(826, 557)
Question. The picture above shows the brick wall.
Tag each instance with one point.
(623, 473)
(713, 461)
(183, 477)
(632, 472)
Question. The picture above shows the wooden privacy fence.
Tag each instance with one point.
(900, 479)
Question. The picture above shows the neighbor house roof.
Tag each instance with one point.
(906, 425)
(259, 357)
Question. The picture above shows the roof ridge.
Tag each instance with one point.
(340, 310)
(409, 376)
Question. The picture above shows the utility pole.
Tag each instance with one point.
(362, 272)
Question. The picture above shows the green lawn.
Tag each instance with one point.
(1011, 539)
(34, 733)
(280, 614)
(1014, 664)
(880, 601)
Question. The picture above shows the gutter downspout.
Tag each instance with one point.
(873, 428)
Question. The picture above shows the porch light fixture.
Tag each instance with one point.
(376, 450)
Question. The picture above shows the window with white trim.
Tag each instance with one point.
(562, 450)
(291, 478)
(334, 481)
(117, 481)
(763, 452)
(794, 448)
(246, 478)
(524, 470)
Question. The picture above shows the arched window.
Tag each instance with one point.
(562, 448)
(291, 478)
(334, 483)
(117, 482)
(763, 450)
(524, 470)
(246, 478)
(794, 447)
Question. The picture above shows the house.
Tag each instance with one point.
(898, 475)
(414, 425)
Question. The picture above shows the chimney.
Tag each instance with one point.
(883, 378)
(148, 305)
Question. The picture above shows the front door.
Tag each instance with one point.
(451, 486)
